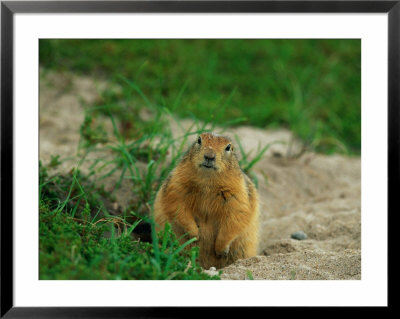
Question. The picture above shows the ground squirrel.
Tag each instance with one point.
(209, 197)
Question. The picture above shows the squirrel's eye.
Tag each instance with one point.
(228, 147)
(199, 140)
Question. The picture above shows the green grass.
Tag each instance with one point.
(312, 87)
(79, 240)
(249, 275)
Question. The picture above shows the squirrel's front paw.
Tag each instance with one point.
(222, 252)
(194, 233)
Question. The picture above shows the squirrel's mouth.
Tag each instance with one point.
(208, 165)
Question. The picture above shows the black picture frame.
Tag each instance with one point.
(9, 8)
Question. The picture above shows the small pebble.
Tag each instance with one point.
(299, 235)
(211, 272)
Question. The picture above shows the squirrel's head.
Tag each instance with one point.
(213, 153)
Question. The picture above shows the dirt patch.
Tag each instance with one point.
(317, 194)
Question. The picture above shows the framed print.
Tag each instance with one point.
(159, 156)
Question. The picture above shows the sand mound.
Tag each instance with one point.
(313, 193)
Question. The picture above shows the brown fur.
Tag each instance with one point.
(217, 204)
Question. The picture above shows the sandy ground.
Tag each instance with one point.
(313, 193)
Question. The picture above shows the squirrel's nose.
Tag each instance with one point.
(209, 157)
